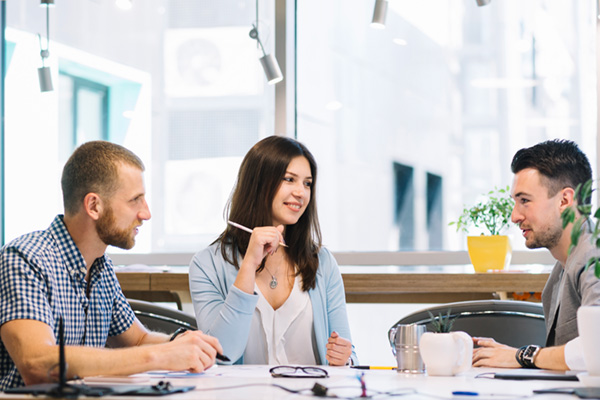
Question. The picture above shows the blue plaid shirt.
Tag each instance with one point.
(42, 276)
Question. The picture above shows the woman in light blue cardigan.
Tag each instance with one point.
(275, 295)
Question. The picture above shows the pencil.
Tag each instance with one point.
(244, 228)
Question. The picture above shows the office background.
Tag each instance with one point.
(408, 124)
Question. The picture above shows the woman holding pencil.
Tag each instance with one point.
(266, 288)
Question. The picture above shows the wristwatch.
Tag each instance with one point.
(527, 354)
(178, 332)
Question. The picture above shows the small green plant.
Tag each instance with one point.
(569, 216)
(491, 215)
(442, 323)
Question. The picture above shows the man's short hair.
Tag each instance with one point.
(93, 168)
(560, 162)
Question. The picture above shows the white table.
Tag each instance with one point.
(343, 382)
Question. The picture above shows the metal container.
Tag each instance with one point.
(404, 340)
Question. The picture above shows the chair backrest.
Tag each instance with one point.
(160, 318)
(514, 323)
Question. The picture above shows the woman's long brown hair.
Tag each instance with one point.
(251, 204)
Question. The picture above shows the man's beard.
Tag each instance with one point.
(547, 238)
(113, 236)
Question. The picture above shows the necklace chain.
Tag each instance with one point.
(273, 284)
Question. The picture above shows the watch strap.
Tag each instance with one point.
(526, 355)
(178, 332)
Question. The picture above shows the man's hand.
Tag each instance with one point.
(193, 351)
(339, 349)
(493, 354)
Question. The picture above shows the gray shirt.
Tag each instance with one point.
(563, 295)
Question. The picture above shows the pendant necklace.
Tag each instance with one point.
(273, 283)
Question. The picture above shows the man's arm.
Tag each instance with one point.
(136, 335)
(32, 346)
(493, 354)
(552, 358)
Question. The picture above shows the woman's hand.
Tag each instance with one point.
(339, 349)
(264, 240)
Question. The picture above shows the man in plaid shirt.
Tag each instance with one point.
(64, 271)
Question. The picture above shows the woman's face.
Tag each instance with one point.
(293, 194)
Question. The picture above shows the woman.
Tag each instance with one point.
(268, 302)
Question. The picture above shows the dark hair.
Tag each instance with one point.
(559, 161)
(93, 168)
(251, 204)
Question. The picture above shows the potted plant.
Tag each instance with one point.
(444, 352)
(491, 216)
(442, 323)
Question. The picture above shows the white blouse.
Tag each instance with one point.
(284, 336)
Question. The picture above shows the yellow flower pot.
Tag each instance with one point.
(489, 252)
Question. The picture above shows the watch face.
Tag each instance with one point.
(530, 351)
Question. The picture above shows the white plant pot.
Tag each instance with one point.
(446, 354)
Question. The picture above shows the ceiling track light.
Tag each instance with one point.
(268, 61)
(44, 73)
(482, 3)
(379, 14)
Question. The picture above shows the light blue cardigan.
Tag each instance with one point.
(224, 311)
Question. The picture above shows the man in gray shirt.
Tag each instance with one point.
(546, 176)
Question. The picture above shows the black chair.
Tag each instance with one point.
(160, 318)
(515, 323)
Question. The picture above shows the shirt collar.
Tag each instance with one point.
(69, 250)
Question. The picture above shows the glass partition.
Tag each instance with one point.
(178, 82)
(408, 124)
(412, 122)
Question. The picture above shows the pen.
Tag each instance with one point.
(370, 367)
(464, 393)
(242, 227)
(181, 330)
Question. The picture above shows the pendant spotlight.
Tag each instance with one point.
(44, 73)
(379, 14)
(482, 3)
(268, 61)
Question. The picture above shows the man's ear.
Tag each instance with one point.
(567, 198)
(92, 205)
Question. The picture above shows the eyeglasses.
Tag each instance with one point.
(286, 371)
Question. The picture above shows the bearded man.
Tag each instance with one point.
(63, 272)
(545, 180)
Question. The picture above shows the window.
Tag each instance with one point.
(83, 113)
(434, 211)
(405, 206)
(448, 89)
(177, 82)
(408, 124)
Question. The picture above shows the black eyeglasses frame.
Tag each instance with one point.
(316, 373)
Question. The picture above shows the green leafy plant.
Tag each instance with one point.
(492, 214)
(442, 323)
(585, 221)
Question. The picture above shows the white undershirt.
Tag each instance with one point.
(574, 355)
(283, 336)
